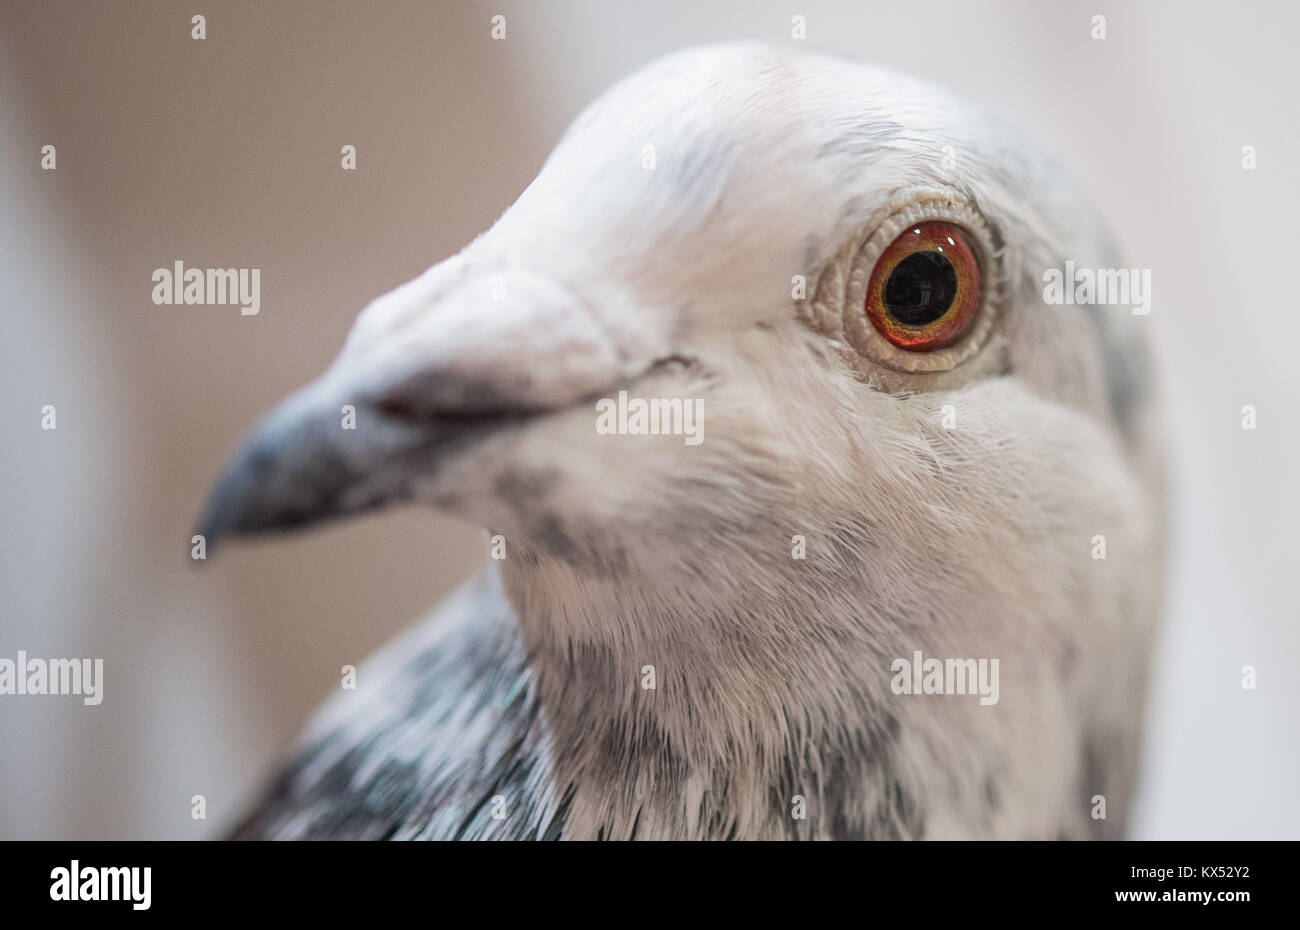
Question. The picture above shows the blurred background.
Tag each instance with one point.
(225, 152)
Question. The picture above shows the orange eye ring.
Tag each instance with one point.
(925, 289)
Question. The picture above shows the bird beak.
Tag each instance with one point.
(324, 454)
(429, 372)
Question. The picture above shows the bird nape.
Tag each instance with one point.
(902, 582)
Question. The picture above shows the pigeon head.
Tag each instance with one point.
(759, 382)
(751, 295)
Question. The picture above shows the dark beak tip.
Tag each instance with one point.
(209, 529)
(294, 470)
(223, 510)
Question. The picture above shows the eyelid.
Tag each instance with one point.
(925, 206)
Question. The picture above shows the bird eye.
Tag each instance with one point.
(925, 288)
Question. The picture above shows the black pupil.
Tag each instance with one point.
(920, 289)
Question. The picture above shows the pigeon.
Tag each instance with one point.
(811, 514)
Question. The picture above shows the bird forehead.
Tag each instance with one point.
(745, 140)
(757, 94)
(709, 123)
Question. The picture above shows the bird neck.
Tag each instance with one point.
(698, 693)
